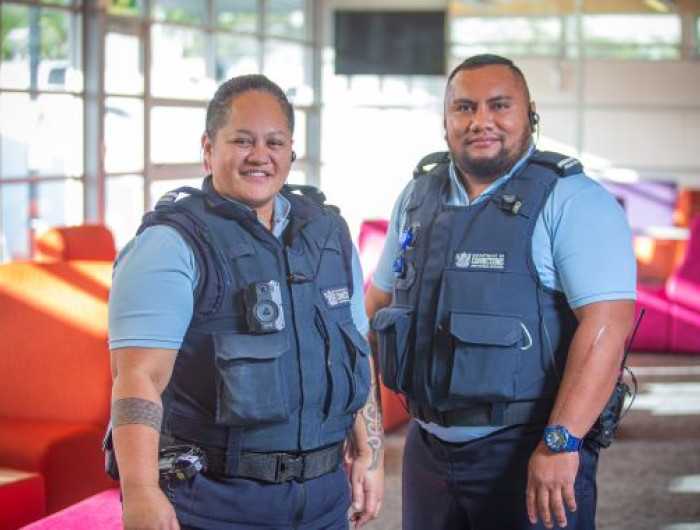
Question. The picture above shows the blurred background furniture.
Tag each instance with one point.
(21, 498)
(84, 242)
(672, 318)
(55, 374)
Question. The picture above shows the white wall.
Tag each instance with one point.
(639, 114)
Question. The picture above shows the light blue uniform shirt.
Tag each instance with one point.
(581, 246)
(152, 297)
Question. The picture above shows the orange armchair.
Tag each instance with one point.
(55, 374)
(84, 242)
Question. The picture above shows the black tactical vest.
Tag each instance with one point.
(262, 368)
(470, 322)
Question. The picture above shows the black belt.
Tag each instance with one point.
(516, 412)
(279, 467)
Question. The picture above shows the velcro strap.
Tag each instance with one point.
(486, 414)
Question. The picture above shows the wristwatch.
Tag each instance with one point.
(558, 439)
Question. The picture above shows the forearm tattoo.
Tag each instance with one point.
(136, 410)
(372, 416)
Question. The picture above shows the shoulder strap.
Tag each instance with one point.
(562, 165)
(428, 163)
(194, 231)
(317, 197)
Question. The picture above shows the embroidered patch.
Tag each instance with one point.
(471, 260)
(336, 297)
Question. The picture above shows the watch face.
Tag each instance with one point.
(556, 438)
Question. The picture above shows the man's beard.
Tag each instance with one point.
(490, 169)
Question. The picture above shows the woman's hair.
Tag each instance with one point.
(220, 105)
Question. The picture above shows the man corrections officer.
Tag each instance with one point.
(501, 304)
(238, 354)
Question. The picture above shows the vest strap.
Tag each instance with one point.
(517, 412)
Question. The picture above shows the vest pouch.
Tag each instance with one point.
(358, 354)
(486, 357)
(251, 388)
(394, 328)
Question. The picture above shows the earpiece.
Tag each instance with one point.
(294, 156)
(533, 118)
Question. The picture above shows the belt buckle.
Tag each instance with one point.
(290, 467)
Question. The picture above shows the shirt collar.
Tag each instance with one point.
(280, 213)
(457, 195)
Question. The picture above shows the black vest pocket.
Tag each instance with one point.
(487, 351)
(251, 388)
(394, 328)
(358, 352)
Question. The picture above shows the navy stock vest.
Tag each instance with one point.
(292, 390)
(470, 322)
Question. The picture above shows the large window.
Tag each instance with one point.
(535, 36)
(631, 36)
(194, 46)
(41, 133)
(159, 63)
(616, 36)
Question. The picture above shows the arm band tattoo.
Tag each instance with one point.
(136, 410)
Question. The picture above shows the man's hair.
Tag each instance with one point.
(220, 105)
(488, 59)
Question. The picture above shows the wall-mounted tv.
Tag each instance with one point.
(389, 42)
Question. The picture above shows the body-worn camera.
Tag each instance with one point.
(263, 302)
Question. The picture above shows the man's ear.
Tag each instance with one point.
(206, 152)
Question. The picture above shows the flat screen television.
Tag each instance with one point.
(389, 42)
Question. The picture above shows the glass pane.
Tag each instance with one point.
(296, 176)
(236, 56)
(123, 64)
(14, 222)
(41, 49)
(43, 136)
(300, 133)
(289, 65)
(237, 15)
(161, 187)
(124, 206)
(176, 134)
(632, 36)
(123, 135)
(179, 11)
(518, 35)
(285, 18)
(34, 207)
(179, 67)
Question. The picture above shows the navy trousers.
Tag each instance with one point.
(480, 485)
(219, 503)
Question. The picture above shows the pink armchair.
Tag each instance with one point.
(672, 318)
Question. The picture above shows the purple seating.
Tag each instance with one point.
(672, 311)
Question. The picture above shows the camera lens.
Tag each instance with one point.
(266, 311)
